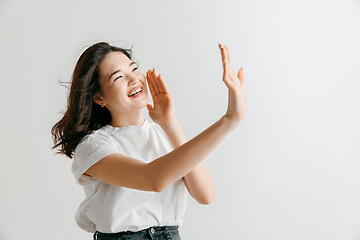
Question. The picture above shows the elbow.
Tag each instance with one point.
(157, 188)
(154, 180)
(159, 185)
(208, 200)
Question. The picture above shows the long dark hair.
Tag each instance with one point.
(83, 115)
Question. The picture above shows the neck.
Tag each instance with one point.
(122, 120)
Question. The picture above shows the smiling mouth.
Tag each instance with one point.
(136, 93)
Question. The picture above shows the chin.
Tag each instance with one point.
(144, 101)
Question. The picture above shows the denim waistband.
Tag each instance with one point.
(151, 231)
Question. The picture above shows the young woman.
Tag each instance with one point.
(136, 173)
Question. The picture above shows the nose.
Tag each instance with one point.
(132, 81)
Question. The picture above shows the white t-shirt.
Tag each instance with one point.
(108, 208)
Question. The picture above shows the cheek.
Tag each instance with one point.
(117, 93)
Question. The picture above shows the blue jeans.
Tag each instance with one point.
(151, 233)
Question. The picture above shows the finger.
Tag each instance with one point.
(227, 71)
(156, 87)
(227, 54)
(226, 77)
(162, 85)
(224, 61)
(151, 85)
(231, 69)
(223, 57)
(149, 107)
(241, 76)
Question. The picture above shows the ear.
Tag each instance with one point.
(98, 99)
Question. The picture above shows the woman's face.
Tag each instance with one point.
(120, 77)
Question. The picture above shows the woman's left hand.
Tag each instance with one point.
(164, 109)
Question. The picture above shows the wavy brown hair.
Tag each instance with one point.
(83, 115)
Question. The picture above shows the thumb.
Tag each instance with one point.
(240, 75)
(149, 107)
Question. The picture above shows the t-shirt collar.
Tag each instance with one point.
(128, 128)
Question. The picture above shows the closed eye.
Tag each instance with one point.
(121, 76)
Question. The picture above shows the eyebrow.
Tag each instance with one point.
(119, 70)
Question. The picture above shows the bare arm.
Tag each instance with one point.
(191, 153)
(198, 181)
(120, 170)
(128, 172)
(183, 159)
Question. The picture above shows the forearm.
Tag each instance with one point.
(174, 132)
(198, 181)
(183, 159)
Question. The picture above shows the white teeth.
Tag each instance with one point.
(137, 91)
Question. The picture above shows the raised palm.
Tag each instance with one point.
(163, 109)
(235, 83)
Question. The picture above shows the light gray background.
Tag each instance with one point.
(289, 171)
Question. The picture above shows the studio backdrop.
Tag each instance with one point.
(291, 168)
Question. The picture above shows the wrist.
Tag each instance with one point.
(174, 132)
(169, 124)
(230, 121)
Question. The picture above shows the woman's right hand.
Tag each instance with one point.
(235, 83)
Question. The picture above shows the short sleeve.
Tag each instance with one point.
(88, 152)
